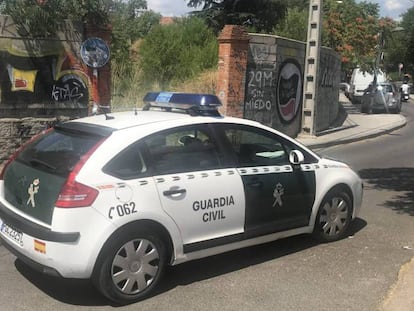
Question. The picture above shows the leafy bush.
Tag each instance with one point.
(177, 52)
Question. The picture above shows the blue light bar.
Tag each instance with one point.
(193, 103)
(192, 99)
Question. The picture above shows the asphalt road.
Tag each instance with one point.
(355, 273)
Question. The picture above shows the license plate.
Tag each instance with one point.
(11, 233)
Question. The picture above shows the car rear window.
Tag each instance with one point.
(58, 151)
(386, 88)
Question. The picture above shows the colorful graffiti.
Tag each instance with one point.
(289, 90)
(42, 71)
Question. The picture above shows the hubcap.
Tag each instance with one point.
(334, 216)
(135, 266)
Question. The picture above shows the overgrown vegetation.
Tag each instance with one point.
(178, 51)
(170, 55)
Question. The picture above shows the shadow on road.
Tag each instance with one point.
(69, 291)
(81, 292)
(399, 179)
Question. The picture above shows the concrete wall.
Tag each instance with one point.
(274, 82)
(270, 86)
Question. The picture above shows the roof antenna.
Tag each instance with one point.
(106, 110)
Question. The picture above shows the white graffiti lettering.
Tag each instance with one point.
(66, 93)
(259, 104)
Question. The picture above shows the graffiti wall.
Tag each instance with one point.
(42, 77)
(274, 84)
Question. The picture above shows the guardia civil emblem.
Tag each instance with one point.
(277, 194)
(32, 191)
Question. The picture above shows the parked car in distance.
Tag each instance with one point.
(386, 98)
(345, 88)
(118, 197)
(360, 80)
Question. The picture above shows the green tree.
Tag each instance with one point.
(402, 43)
(130, 21)
(294, 25)
(355, 30)
(258, 15)
(43, 19)
(348, 27)
(178, 51)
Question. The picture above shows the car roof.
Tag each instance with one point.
(126, 119)
(168, 106)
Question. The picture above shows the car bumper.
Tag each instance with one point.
(65, 253)
(358, 191)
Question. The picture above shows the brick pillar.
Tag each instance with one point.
(101, 82)
(233, 48)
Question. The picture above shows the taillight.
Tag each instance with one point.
(19, 150)
(74, 194)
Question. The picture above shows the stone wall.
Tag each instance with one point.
(16, 131)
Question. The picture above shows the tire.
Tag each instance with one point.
(369, 109)
(334, 216)
(130, 266)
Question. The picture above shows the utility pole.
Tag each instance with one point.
(310, 86)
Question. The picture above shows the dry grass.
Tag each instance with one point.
(204, 83)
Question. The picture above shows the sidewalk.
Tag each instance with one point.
(355, 127)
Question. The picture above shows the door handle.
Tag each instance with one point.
(168, 193)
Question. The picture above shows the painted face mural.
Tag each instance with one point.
(289, 90)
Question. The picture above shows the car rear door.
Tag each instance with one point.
(197, 189)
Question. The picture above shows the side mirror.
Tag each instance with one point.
(296, 157)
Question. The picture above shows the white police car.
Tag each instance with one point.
(116, 198)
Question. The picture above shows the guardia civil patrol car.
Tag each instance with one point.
(118, 197)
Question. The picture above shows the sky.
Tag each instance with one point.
(394, 8)
(390, 8)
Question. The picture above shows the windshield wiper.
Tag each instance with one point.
(37, 162)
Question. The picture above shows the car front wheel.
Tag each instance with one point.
(334, 216)
(130, 267)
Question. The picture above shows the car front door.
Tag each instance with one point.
(197, 190)
(279, 195)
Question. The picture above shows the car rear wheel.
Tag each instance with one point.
(334, 216)
(130, 268)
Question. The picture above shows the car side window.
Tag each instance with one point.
(128, 164)
(255, 148)
(182, 149)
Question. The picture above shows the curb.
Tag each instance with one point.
(400, 296)
(342, 141)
